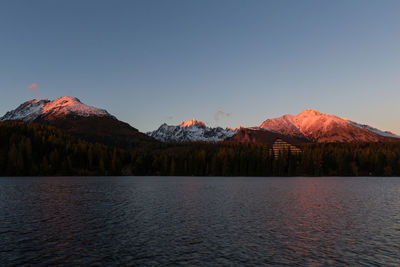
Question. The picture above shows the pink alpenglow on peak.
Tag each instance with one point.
(310, 112)
(189, 131)
(67, 105)
(192, 122)
(33, 109)
(319, 127)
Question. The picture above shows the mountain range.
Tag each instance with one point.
(94, 124)
(308, 126)
(191, 130)
(319, 127)
(71, 115)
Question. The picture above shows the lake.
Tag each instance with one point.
(200, 221)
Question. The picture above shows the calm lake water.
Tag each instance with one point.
(199, 221)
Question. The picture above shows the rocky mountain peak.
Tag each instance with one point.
(33, 109)
(192, 122)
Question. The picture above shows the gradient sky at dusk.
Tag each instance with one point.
(149, 62)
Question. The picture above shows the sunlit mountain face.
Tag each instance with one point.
(95, 124)
(308, 126)
(319, 127)
(34, 109)
(71, 115)
(191, 130)
(192, 122)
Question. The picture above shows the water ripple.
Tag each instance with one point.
(209, 221)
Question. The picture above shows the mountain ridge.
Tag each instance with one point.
(95, 124)
(33, 109)
(87, 122)
(320, 127)
(191, 130)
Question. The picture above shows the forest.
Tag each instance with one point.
(38, 150)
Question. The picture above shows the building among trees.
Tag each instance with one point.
(279, 146)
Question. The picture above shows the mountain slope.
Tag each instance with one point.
(72, 116)
(319, 127)
(33, 109)
(189, 131)
(262, 136)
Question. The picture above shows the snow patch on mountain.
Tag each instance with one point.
(26, 112)
(191, 130)
(375, 130)
(33, 109)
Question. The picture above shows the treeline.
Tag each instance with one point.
(34, 150)
(206, 159)
(241, 159)
(350, 159)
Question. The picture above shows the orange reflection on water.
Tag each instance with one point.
(314, 216)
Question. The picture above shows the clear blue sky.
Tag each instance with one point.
(149, 62)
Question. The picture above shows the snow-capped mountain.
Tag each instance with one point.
(35, 109)
(71, 115)
(191, 130)
(94, 124)
(319, 127)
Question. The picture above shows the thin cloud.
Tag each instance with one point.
(220, 113)
(34, 87)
